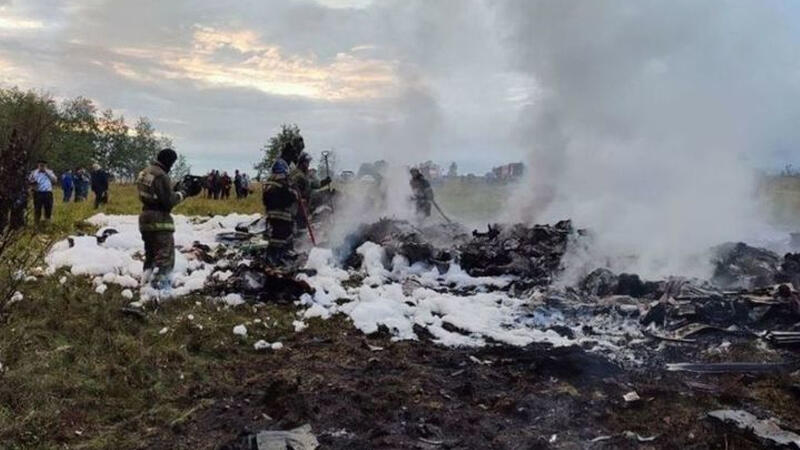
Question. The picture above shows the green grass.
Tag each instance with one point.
(472, 202)
(782, 194)
(78, 372)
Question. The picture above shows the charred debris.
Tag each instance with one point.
(753, 292)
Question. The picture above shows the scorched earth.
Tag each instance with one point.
(465, 340)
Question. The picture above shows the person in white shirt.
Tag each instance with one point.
(42, 179)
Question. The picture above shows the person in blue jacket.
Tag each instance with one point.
(67, 185)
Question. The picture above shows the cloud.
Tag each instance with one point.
(12, 23)
(443, 80)
(238, 58)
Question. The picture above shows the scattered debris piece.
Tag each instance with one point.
(16, 297)
(299, 438)
(767, 430)
(783, 338)
(631, 396)
(630, 435)
(240, 330)
(732, 367)
(134, 312)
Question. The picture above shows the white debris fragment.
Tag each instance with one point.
(224, 275)
(127, 293)
(16, 297)
(299, 326)
(30, 278)
(631, 396)
(768, 430)
(101, 289)
(62, 280)
(262, 345)
(240, 330)
(190, 317)
(277, 346)
(163, 330)
(233, 299)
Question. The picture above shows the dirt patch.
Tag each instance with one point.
(369, 392)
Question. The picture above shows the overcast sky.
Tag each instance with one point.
(398, 79)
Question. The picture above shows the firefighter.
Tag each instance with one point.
(422, 193)
(301, 183)
(155, 222)
(280, 203)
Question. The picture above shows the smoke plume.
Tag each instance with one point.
(646, 120)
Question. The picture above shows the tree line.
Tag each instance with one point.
(74, 133)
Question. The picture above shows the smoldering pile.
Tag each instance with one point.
(752, 295)
(531, 254)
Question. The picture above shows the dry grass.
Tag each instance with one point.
(78, 372)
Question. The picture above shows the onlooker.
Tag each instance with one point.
(216, 185)
(99, 186)
(12, 209)
(42, 180)
(67, 185)
(245, 185)
(81, 180)
(225, 186)
(237, 184)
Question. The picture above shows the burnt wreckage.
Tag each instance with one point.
(682, 335)
(753, 292)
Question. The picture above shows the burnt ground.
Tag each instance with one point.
(419, 395)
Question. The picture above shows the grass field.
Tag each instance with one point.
(77, 372)
(782, 194)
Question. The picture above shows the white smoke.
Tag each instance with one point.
(646, 119)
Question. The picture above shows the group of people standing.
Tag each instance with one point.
(41, 182)
(76, 184)
(218, 186)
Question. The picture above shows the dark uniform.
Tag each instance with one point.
(423, 193)
(155, 221)
(302, 186)
(280, 202)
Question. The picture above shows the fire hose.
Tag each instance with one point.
(440, 211)
(328, 175)
(307, 219)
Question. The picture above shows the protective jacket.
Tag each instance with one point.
(421, 189)
(302, 184)
(157, 197)
(280, 202)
